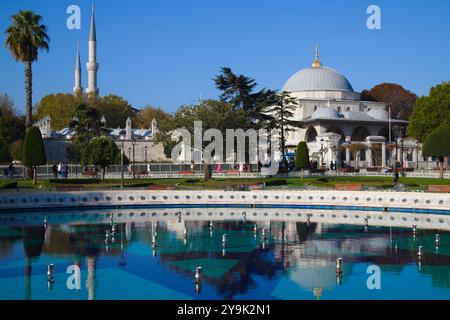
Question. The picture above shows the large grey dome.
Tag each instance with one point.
(317, 79)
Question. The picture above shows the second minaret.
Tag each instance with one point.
(92, 65)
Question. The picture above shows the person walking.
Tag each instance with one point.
(11, 171)
(219, 168)
(55, 171)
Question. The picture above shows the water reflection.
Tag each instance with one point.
(244, 258)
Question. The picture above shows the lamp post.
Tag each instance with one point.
(133, 143)
(121, 161)
(146, 149)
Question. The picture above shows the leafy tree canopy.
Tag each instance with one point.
(115, 109)
(5, 156)
(59, 107)
(430, 112)
(437, 143)
(102, 152)
(400, 100)
(145, 117)
(12, 125)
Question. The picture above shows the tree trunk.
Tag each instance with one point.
(34, 175)
(28, 93)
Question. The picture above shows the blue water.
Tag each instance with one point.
(296, 261)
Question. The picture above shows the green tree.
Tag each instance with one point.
(5, 156)
(12, 125)
(282, 111)
(24, 38)
(115, 109)
(239, 91)
(437, 144)
(101, 152)
(86, 123)
(16, 150)
(430, 112)
(33, 150)
(302, 156)
(400, 100)
(59, 107)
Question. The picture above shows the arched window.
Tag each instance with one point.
(349, 109)
(315, 108)
(339, 109)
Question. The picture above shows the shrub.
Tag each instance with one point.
(276, 182)
(8, 184)
(302, 156)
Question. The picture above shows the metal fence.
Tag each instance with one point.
(170, 170)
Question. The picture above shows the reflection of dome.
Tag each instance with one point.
(379, 114)
(317, 79)
(325, 113)
(314, 273)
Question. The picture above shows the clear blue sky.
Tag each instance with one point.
(165, 52)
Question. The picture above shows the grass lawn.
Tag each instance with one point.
(196, 184)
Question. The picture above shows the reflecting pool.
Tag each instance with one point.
(282, 254)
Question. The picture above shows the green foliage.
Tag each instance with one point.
(16, 150)
(74, 181)
(302, 156)
(437, 143)
(282, 110)
(5, 156)
(430, 112)
(33, 148)
(239, 91)
(86, 123)
(102, 152)
(275, 182)
(115, 109)
(12, 125)
(59, 107)
(400, 100)
(26, 36)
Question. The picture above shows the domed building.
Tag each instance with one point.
(333, 116)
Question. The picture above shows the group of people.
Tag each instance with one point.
(60, 169)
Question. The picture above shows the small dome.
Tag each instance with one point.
(379, 114)
(325, 113)
(356, 115)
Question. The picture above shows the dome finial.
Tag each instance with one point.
(316, 63)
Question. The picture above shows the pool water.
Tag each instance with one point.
(120, 256)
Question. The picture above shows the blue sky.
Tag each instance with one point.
(166, 52)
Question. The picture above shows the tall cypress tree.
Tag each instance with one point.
(33, 150)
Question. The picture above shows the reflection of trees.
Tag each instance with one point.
(33, 239)
(241, 278)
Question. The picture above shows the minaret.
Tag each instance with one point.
(92, 65)
(77, 89)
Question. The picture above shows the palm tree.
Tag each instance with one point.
(24, 38)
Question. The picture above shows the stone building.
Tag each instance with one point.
(333, 117)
